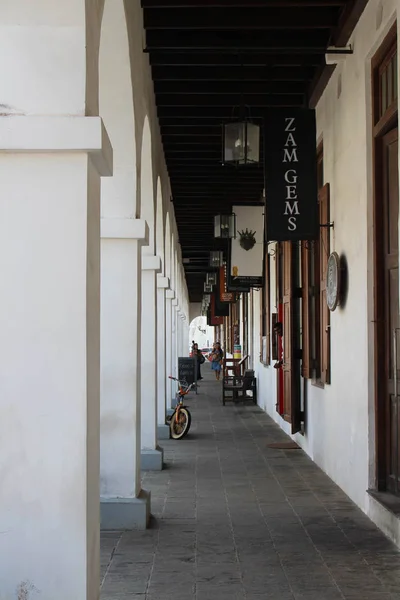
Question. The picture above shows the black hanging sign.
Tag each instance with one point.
(291, 175)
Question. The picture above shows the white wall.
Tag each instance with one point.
(340, 425)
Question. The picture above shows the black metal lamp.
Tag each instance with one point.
(241, 142)
(211, 279)
(225, 226)
(216, 258)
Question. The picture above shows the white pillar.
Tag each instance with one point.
(169, 295)
(151, 454)
(174, 348)
(162, 428)
(124, 505)
(49, 354)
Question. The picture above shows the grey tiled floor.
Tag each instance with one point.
(236, 520)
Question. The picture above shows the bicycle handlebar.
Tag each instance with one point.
(182, 383)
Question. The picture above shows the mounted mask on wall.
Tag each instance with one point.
(247, 239)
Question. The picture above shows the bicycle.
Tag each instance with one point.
(180, 420)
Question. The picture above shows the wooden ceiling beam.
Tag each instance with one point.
(209, 88)
(238, 73)
(314, 41)
(228, 100)
(265, 18)
(220, 60)
(239, 3)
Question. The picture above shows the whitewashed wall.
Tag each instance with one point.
(340, 418)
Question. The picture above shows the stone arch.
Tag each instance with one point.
(146, 186)
(173, 261)
(117, 110)
(160, 226)
(200, 332)
(167, 246)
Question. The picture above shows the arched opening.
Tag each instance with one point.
(167, 247)
(146, 187)
(118, 193)
(200, 333)
(173, 257)
(160, 225)
(118, 285)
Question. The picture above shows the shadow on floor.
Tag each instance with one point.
(236, 520)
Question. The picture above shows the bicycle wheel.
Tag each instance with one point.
(180, 427)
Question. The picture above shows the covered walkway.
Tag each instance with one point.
(236, 519)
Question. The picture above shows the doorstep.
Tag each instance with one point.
(384, 511)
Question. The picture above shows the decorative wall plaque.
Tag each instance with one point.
(333, 281)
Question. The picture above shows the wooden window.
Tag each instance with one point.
(291, 404)
(315, 312)
(306, 368)
(325, 318)
(265, 338)
(387, 78)
(245, 312)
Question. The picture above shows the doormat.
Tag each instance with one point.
(284, 445)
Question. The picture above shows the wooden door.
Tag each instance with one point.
(291, 407)
(390, 239)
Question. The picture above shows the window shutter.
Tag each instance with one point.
(324, 251)
(267, 315)
(291, 412)
(306, 370)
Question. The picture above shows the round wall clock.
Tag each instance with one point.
(333, 281)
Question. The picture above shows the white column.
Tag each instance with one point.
(49, 354)
(124, 505)
(174, 348)
(151, 454)
(162, 428)
(169, 295)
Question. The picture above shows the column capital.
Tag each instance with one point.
(151, 262)
(58, 134)
(162, 282)
(117, 228)
(170, 294)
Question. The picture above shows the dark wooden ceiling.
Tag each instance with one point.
(211, 56)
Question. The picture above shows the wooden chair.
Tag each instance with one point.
(236, 387)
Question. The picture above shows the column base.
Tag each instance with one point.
(125, 513)
(163, 432)
(152, 460)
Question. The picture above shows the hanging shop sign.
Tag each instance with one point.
(221, 307)
(247, 249)
(291, 175)
(224, 296)
(215, 319)
(234, 286)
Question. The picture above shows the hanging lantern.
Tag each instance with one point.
(225, 226)
(216, 258)
(211, 278)
(241, 143)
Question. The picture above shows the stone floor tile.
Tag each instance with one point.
(235, 520)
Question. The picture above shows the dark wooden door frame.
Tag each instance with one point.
(379, 128)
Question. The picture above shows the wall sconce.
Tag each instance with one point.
(225, 226)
